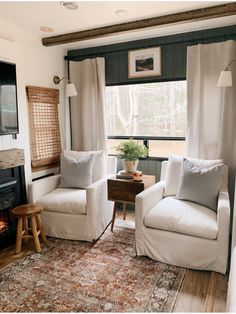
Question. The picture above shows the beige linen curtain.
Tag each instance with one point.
(87, 109)
(211, 111)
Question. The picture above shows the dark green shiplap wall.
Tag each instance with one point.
(173, 61)
(173, 54)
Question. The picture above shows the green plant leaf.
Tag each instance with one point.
(131, 150)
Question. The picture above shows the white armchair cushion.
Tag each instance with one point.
(174, 168)
(99, 161)
(183, 217)
(68, 201)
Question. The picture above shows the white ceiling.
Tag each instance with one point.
(92, 14)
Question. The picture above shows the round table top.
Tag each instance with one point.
(27, 210)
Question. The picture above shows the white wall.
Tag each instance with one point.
(36, 65)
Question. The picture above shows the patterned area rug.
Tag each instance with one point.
(73, 276)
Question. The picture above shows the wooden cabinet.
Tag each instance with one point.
(125, 191)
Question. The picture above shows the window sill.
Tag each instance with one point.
(148, 158)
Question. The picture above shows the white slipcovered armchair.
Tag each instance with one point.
(180, 232)
(75, 214)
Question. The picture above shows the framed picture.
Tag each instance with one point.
(145, 62)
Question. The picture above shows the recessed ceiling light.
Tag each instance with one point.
(121, 12)
(46, 29)
(70, 5)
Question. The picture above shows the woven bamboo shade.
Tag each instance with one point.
(45, 144)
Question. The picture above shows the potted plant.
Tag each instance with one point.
(130, 152)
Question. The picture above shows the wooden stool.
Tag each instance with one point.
(25, 214)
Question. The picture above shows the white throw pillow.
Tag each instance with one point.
(172, 177)
(99, 162)
(174, 168)
(76, 172)
(206, 164)
(200, 185)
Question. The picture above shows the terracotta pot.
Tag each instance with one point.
(130, 166)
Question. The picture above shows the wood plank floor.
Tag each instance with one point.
(201, 291)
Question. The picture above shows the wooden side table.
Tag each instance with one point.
(25, 214)
(125, 190)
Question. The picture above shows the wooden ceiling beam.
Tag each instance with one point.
(194, 15)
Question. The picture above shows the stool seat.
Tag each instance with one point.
(29, 214)
(27, 210)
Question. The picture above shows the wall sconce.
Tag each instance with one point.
(70, 87)
(225, 79)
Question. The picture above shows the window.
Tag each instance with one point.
(153, 112)
(45, 145)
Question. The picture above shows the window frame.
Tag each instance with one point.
(144, 138)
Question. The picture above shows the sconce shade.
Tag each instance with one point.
(225, 79)
(70, 87)
(71, 90)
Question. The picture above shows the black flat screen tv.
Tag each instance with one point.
(8, 99)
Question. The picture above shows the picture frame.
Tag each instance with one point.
(144, 62)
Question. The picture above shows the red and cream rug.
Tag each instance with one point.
(73, 276)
